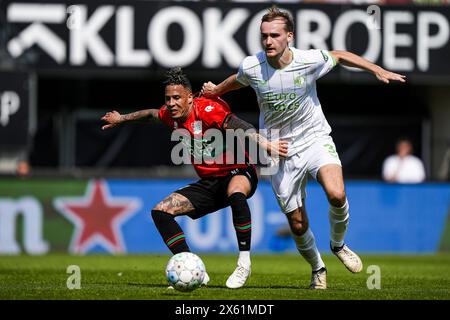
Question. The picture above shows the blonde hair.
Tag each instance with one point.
(275, 13)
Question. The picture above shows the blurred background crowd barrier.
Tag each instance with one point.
(113, 216)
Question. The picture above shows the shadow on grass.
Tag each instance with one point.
(152, 285)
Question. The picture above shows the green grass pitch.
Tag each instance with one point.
(283, 277)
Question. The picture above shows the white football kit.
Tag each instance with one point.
(288, 103)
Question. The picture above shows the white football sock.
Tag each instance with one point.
(306, 245)
(338, 224)
(244, 259)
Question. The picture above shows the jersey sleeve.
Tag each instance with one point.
(215, 112)
(241, 75)
(323, 61)
(164, 115)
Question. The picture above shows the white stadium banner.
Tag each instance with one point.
(152, 35)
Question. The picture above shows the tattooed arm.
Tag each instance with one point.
(275, 147)
(114, 118)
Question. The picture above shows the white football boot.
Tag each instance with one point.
(205, 280)
(319, 279)
(238, 277)
(350, 259)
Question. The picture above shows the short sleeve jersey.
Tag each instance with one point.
(287, 97)
(409, 169)
(207, 113)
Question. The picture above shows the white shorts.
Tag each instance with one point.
(289, 183)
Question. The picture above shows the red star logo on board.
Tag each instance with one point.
(97, 217)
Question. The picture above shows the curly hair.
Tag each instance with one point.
(275, 13)
(176, 76)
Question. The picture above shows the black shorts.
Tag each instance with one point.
(208, 195)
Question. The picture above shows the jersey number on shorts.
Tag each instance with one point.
(331, 150)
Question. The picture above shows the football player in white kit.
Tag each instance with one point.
(284, 79)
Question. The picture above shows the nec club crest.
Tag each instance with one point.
(98, 218)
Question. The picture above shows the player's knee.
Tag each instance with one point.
(237, 196)
(159, 207)
(337, 198)
(236, 190)
(299, 228)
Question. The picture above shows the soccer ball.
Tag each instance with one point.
(185, 271)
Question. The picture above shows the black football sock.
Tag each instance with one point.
(170, 231)
(241, 219)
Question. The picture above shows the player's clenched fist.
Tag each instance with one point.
(208, 89)
(278, 148)
(113, 118)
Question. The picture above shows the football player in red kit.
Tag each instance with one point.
(223, 182)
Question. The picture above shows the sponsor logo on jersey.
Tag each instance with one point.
(197, 127)
(281, 102)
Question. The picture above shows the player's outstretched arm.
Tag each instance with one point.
(114, 118)
(274, 148)
(209, 89)
(352, 60)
